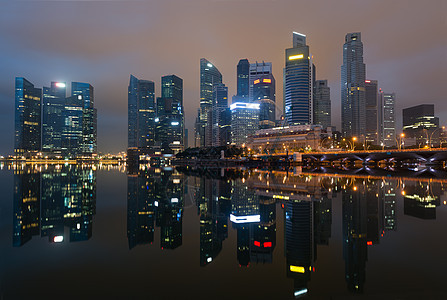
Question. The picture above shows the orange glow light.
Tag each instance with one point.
(267, 80)
(256, 81)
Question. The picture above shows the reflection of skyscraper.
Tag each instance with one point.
(299, 243)
(27, 117)
(140, 209)
(354, 237)
(421, 199)
(388, 192)
(264, 235)
(26, 206)
(323, 220)
(54, 199)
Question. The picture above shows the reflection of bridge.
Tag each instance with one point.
(431, 155)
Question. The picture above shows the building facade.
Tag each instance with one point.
(420, 126)
(372, 112)
(27, 122)
(244, 121)
(218, 120)
(322, 104)
(141, 113)
(387, 119)
(243, 71)
(209, 76)
(257, 70)
(170, 114)
(353, 70)
(298, 83)
(264, 94)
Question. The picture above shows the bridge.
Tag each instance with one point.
(428, 156)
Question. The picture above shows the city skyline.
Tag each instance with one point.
(389, 54)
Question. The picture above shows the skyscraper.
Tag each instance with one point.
(372, 111)
(387, 124)
(264, 94)
(141, 113)
(257, 70)
(298, 83)
(52, 120)
(27, 117)
(322, 104)
(209, 76)
(218, 119)
(170, 116)
(89, 121)
(244, 121)
(353, 113)
(243, 70)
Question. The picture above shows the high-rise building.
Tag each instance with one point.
(244, 121)
(322, 104)
(243, 70)
(218, 119)
(52, 121)
(353, 114)
(372, 112)
(257, 70)
(72, 129)
(170, 115)
(209, 76)
(298, 83)
(28, 131)
(420, 125)
(387, 124)
(141, 113)
(264, 94)
(85, 92)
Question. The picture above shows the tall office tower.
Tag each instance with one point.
(27, 117)
(72, 130)
(52, 121)
(372, 112)
(85, 92)
(420, 125)
(322, 104)
(141, 113)
(244, 121)
(218, 118)
(243, 70)
(264, 94)
(387, 124)
(256, 71)
(209, 76)
(298, 83)
(170, 115)
(353, 108)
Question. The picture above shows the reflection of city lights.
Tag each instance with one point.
(300, 292)
(445, 202)
(297, 269)
(355, 188)
(58, 238)
(369, 243)
(209, 259)
(403, 193)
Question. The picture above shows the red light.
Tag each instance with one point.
(282, 205)
(369, 243)
(257, 244)
(313, 269)
(267, 244)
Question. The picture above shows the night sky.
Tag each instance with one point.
(103, 42)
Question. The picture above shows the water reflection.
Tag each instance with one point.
(59, 203)
(48, 201)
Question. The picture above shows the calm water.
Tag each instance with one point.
(92, 233)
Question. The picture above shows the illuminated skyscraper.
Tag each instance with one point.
(28, 131)
(420, 125)
(257, 70)
(353, 106)
(243, 69)
(387, 123)
(322, 104)
(209, 77)
(244, 121)
(141, 113)
(298, 83)
(264, 94)
(372, 112)
(219, 120)
(85, 92)
(170, 114)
